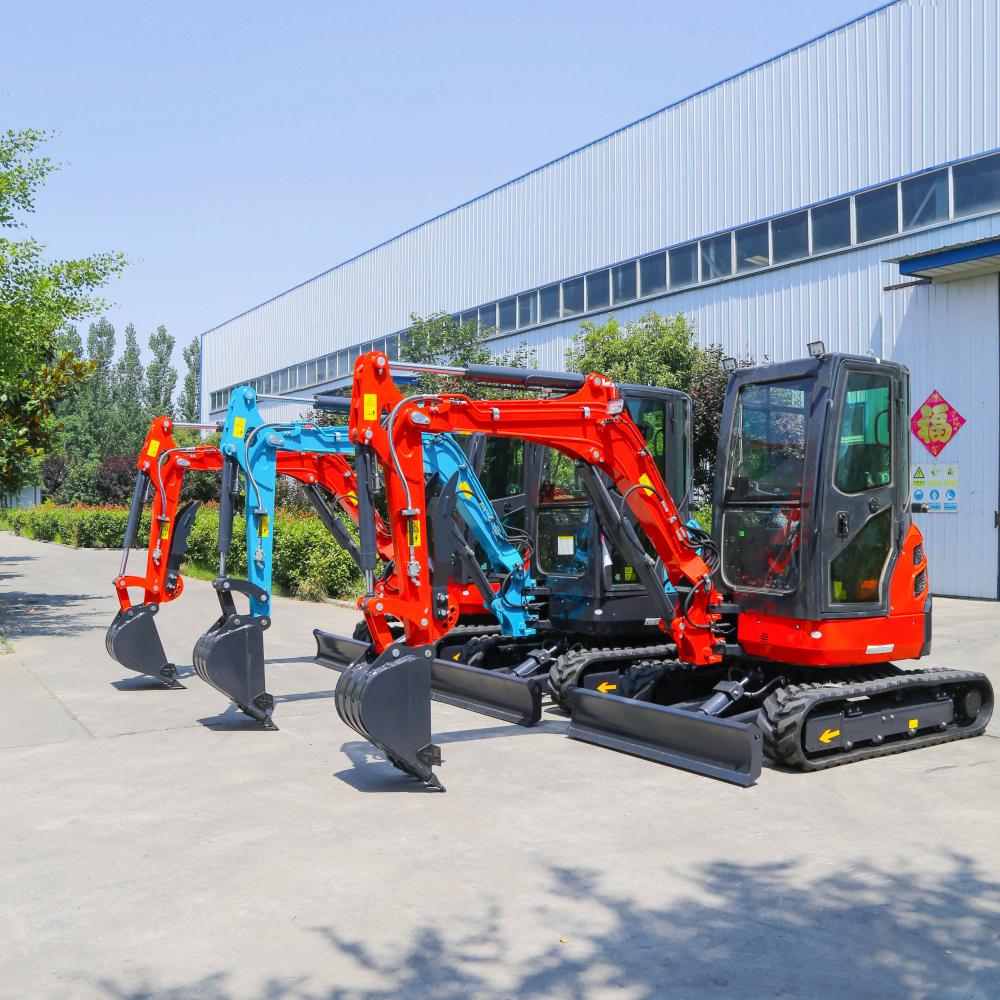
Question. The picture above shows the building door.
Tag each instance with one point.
(949, 337)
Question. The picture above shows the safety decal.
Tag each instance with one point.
(371, 406)
(414, 532)
(605, 686)
(239, 427)
(154, 447)
(164, 530)
(913, 724)
(564, 545)
(828, 735)
(265, 526)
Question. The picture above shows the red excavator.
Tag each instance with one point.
(780, 630)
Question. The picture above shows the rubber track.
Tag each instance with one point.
(565, 672)
(783, 715)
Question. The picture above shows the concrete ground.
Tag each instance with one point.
(154, 844)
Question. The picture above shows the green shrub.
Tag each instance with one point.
(307, 560)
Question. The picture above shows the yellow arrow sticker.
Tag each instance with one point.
(239, 427)
(605, 686)
(828, 735)
(371, 406)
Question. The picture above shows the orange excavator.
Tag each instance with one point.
(780, 630)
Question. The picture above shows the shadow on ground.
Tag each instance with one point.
(739, 930)
(23, 614)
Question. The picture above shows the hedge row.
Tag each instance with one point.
(307, 561)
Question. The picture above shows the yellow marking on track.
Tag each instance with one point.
(828, 735)
(605, 686)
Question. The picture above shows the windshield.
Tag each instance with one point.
(768, 445)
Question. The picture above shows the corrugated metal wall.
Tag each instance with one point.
(911, 85)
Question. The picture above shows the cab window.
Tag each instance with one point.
(768, 445)
(864, 447)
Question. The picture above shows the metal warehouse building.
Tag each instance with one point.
(847, 190)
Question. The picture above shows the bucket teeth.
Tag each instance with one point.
(133, 641)
(388, 702)
(230, 657)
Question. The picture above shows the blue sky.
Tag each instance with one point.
(233, 149)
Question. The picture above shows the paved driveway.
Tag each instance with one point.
(155, 845)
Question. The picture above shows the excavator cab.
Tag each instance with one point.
(812, 514)
(592, 587)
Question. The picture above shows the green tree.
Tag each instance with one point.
(128, 416)
(662, 351)
(161, 376)
(440, 339)
(188, 402)
(38, 297)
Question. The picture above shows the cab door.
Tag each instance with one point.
(865, 487)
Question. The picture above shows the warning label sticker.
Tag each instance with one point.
(936, 486)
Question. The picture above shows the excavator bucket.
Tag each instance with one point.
(489, 692)
(718, 748)
(230, 657)
(388, 701)
(134, 642)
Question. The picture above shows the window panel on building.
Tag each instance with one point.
(488, 317)
(876, 213)
(598, 290)
(653, 274)
(283, 380)
(716, 257)
(392, 347)
(752, 249)
(265, 385)
(321, 369)
(344, 363)
(572, 296)
(468, 317)
(623, 282)
(508, 315)
(548, 303)
(925, 199)
(310, 373)
(683, 265)
(790, 237)
(831, 226)
(977, 185)
(527, 309)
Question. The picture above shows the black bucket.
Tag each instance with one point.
(230, 657)
(717, 748)
(388, 701)
(133, 641)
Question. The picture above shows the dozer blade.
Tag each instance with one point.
(489, 692)
(388, 701)
(718, 748)
(337, 652)
(230, 657)
(133, 641)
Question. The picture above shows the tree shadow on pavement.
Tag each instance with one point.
(24, 614)
(730, 929)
